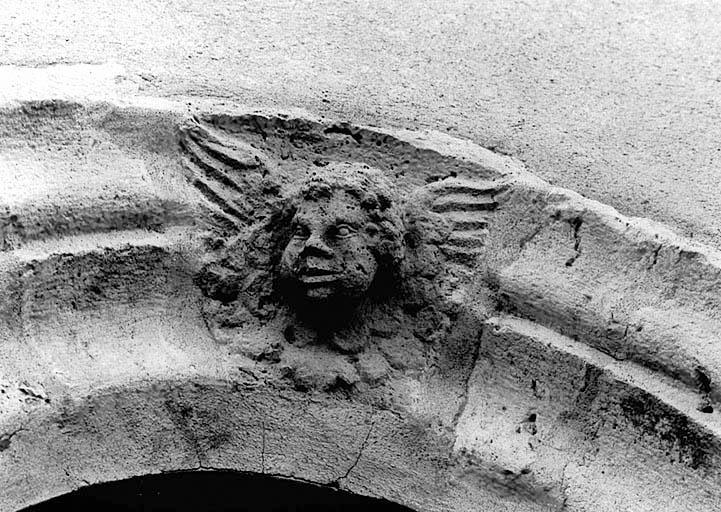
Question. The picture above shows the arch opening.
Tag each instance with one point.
(212, 491)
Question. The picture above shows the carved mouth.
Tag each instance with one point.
(317, 276)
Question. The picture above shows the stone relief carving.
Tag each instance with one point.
(346, 243)
(329, 256)
(351, 273)
(402, 285)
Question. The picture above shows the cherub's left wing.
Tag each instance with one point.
(467, 206)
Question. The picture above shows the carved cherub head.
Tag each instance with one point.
(346, 237)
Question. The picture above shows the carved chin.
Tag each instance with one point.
(320, 293)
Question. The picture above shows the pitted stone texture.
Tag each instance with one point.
(615, 100)
(135, 344)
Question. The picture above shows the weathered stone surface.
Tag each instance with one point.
(615, 100)
(511, 345)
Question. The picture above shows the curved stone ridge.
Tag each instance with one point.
(542, 350)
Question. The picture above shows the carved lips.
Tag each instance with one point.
(311, 276)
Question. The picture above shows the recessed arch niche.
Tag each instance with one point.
(212, 491)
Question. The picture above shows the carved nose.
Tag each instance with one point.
(315, 246)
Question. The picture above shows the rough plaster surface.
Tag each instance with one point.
(616, 100)
(564, 357)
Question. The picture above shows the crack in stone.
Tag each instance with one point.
(656, 250)
(528, 238)
(209, 327)
(363, 446)
(180, 416)
(301, 479)
(564, 492)
(190, 436)
(576, 224)
(466, 384)
(75, 479)
(272, 475)
(196, 448)
(6, 439)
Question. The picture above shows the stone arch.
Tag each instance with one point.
(201, 424)
(580, 333)
(219, 491)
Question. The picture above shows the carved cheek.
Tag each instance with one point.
(361, 261)
(368, 264)
(290, 255)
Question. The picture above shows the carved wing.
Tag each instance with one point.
(467, 206)
(229, 173)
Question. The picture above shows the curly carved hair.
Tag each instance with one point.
(247, 267)
(374, 193)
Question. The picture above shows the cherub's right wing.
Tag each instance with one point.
(229, 173)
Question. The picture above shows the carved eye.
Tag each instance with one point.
(343, 231)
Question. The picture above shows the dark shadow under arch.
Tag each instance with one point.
(212, 491)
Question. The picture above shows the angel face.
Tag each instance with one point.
(330, 254)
